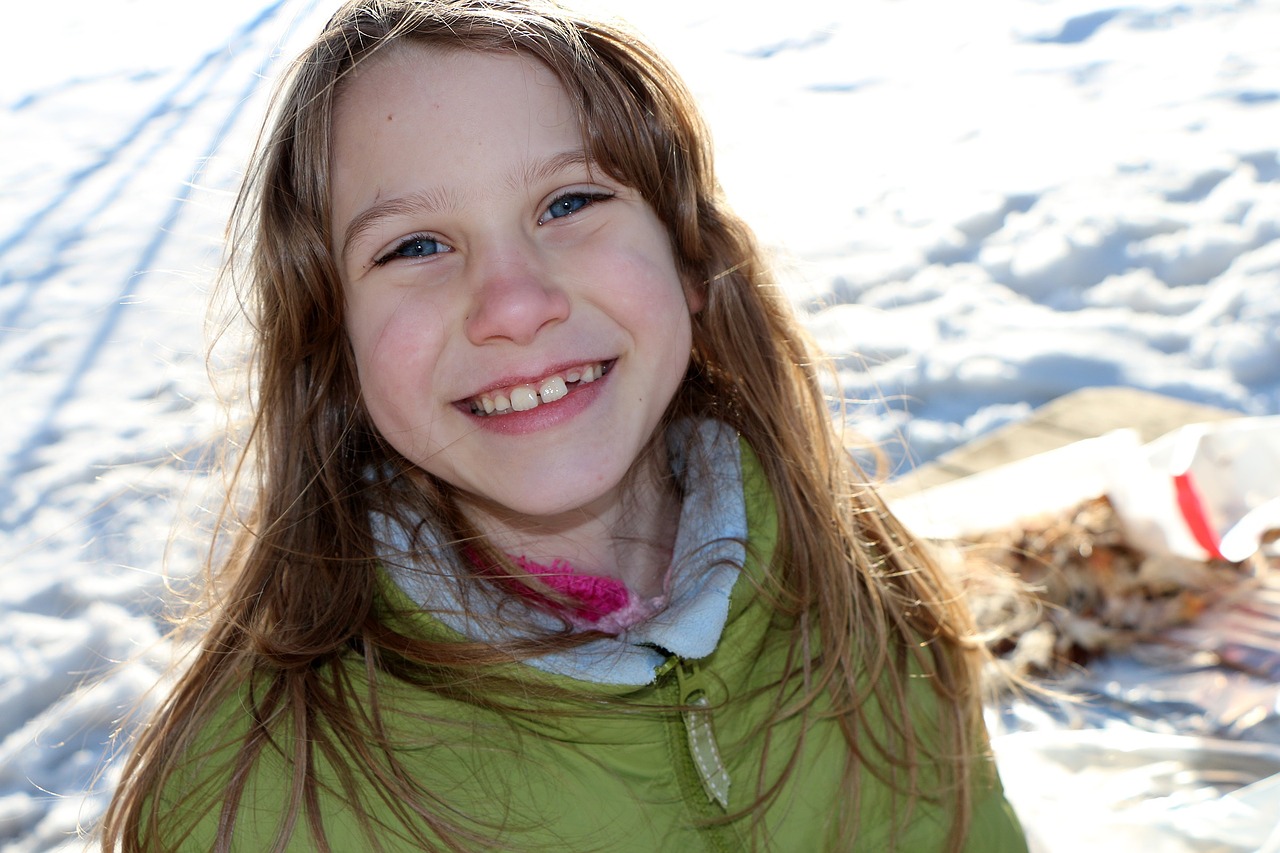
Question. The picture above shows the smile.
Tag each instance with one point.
(522, 398)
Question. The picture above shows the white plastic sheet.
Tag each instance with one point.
(1192, 492)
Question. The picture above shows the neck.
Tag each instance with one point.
(627, 534)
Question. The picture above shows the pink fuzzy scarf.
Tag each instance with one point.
(595, 603)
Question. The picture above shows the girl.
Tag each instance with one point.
(551, 543)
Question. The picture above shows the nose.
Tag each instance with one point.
(514, 297)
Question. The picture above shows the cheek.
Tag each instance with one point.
(648, 280)
(396, 352)
(655, 305)
(398, 358)
(666, 305)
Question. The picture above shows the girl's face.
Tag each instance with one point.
(518, 322)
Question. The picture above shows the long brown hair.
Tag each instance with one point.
(295, 584)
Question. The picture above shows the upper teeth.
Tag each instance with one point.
(521, 398)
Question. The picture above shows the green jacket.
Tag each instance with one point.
(622, 776)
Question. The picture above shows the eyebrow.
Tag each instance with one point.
(435, 200)
(547, 168)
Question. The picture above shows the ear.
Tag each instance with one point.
(695, 294)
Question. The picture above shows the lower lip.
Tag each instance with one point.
(544, 415)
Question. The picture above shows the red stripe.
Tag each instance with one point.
(1193, 514)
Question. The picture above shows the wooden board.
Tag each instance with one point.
(1082, 414)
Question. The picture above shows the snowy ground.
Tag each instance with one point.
(982, 211)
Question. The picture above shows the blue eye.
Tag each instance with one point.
(419, 246)
(571, 203)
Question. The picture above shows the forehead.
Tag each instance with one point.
(423, 119)
(447, 90)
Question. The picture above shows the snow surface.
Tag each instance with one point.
(979, 210)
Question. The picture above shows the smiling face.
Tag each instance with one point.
(518, 322)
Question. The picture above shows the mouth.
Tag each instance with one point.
(548, 390)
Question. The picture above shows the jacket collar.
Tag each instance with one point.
(707, 560)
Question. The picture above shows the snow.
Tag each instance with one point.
(978, 212)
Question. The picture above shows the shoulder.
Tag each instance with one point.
(246, 769)
(233, 765)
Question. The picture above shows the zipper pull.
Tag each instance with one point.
(702, 737)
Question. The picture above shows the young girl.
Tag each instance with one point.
(551, 543)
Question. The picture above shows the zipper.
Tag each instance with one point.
(699, 732)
